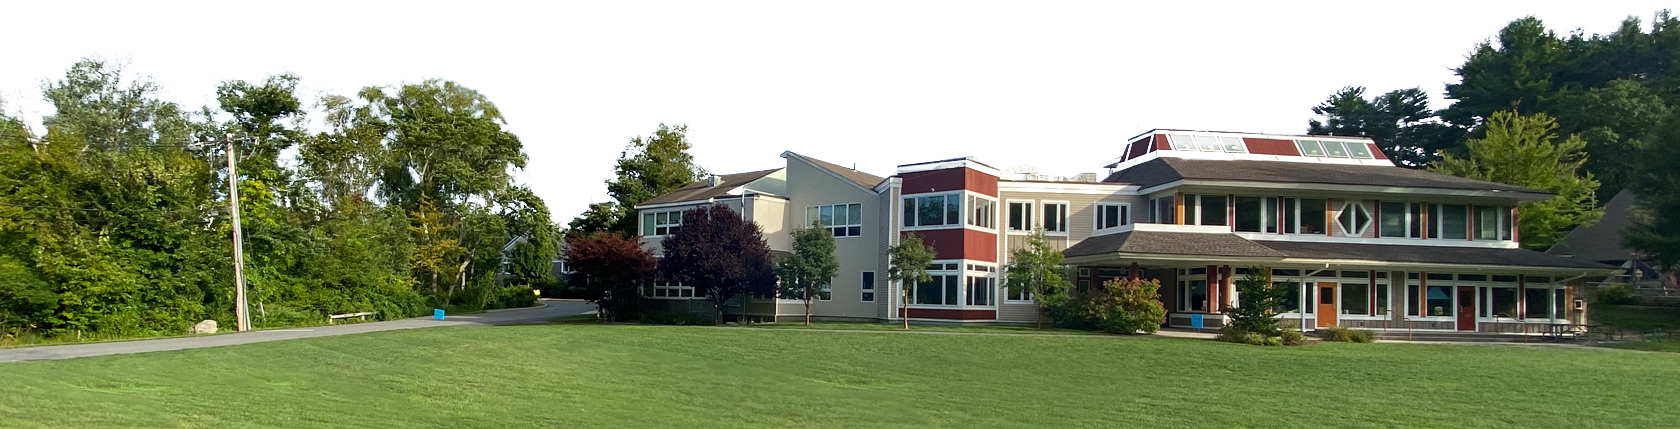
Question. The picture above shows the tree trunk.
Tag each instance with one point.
(807, 306)
(904, 305)
(1040, 315)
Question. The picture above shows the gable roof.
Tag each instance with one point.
(701, 190)
(1168, 169)
(865, 180)
(1601, 241)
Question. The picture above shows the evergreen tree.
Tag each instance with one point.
(1523, 151)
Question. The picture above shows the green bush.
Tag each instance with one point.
(515, 297)
(1291, 337)
(1616, 294)
(1120, 306)
(669, 318)
(1346, 335)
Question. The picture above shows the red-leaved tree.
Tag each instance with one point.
(610, 269)
(719, 254)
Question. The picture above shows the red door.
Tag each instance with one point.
(1466, 308)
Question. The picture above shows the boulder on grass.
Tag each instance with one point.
(205, 327)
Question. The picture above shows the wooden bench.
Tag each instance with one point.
(359, 316)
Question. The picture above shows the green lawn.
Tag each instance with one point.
(580, 375)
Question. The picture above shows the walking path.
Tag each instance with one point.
(550, 309)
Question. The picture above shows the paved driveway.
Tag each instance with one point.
(551, 309)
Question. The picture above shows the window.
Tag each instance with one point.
(1313, 215)
(661, 223)
(1492, 223)
(1291, 212)
(1208, 144)
(1335, 149)
(1359, 150)
(1503, 304)
(1412, 300)
(1455, 221)
(1182, 142)
(1354, 219)
(1055, 218)
(937, 210)
(980, 290)
(1310, 148)
(672, 290)
(1356, 299)
(1395, 219)
(844, 220)
(868, 286)
(1250, 215)
(1021, 295)
(1020, 216)
(1213, 210)
(1112, 215)
(1291, 302)
(940, 290)
(1232, 144)
(1161, 210)
(825, 292)
(1382, 301)
(980, 211)
(1539, 303)
(1192, 295)
(1439, 301)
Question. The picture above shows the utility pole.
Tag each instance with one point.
(239, 310)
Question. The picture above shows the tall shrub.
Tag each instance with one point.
(1125, 306)
(1260, 299)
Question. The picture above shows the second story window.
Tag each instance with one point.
(1454, 221)
(661, 223)
(1492, 223)
(1254, 214)
(1020, 216)
(931, 211)
(1353, 219)
(1304, 215)
(1162, 210)
(980, 211)
(1400, 220)
(1112, 215)
(844, 220)
(1055, 218)
(1205, 210)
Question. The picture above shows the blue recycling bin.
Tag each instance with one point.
(437, 313)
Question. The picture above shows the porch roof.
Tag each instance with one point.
(1171, 243)
(1209, 247)
(1438, 255)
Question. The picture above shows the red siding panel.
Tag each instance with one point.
(982, 183)
(947, 243)
(980, 245)
(949, 179)
(952, 314)
(1377, 151)
(1161, 142)
(1271, 146)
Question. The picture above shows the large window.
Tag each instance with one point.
(1413, 301)
(671, 290)
(1454, 220)
(1382, 301)
(1492, 223)
(844, 220)
(1401, 220)
(1111, 215)
(1539, 303)
(1205, 210)
(1356, 299)
(1055, 218)
(1162, 210)
(1020, 216)
(1251, 216)
(981, 282)
(1354, 219)
(1439, 302)
(661, 223)
(1313, 215)
(1503, 302)
(940, 290)
(1291, 215)
(981, 211)
(937, 210)
(1192, 295)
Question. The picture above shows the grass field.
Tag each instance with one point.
(580, 375)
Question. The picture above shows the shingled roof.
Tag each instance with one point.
(1601, 241)
(1171, 243)
(702, 190)
(1427, 254)
(866, 180)
(1169, 169)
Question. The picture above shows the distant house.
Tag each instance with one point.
(1602, 242)
(557, 266)
(1364, 243)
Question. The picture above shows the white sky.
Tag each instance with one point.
(1058, 85)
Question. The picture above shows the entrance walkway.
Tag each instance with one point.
(551, 309)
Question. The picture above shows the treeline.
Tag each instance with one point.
(115, 221)
(1606, 107)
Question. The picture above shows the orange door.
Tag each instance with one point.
(1326, 305)
(1466, 308)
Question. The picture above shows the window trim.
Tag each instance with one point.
(1028, 218)
(969, 199)
(1359, 206)
(677, 287)
(961, 272)
(1097, 219)
(854, 222)
(962, 211)
(654, 215)
(1065, 217)
(867, 291)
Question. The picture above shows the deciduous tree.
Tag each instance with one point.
(811, 267)
(610, 269)
(720, 254)
(1037, 269)
(907, 264)
(1523, 151)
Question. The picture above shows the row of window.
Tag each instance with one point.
(1310, 216)
(1333, 149)
(1360, 298)
(844, 220)
(661, 223)
(1233, 144)
(1055, 219)
(824, 292)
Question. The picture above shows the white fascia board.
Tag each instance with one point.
(1088, 188)
(675, 204)
(1104, 257)
(1432, 267)
(888, 184)
(1317, 238)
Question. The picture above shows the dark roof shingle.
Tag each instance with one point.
(1168, 169)
(701, 190)
(1601, 241)
(866, 180)
(1171, 243)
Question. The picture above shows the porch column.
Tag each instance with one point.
(1213, 288)
(1136, 272)
(1226, 290)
